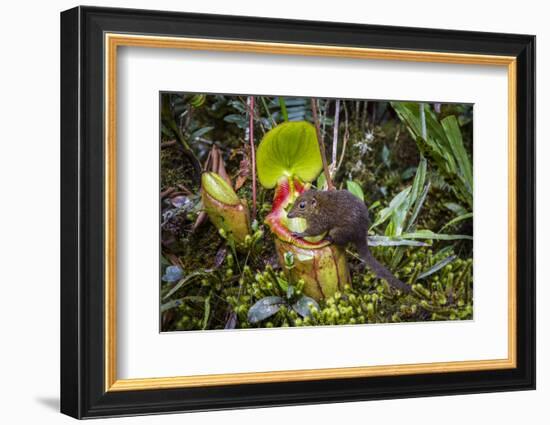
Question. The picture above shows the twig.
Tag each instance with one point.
(335, 135)
(252, 153)
(423, 120)
(364, 119)
(323, 114)
(167, 192)
(345, 138)
(179, 193)
(185, 189)
(397, 133)
(330, 185)
(168, 143)
(187, 119)
(354, 255)
(268, 111)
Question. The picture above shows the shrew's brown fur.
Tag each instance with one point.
(345, 219)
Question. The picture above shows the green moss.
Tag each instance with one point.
(445, 295)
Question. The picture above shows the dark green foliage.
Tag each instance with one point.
(442, 142)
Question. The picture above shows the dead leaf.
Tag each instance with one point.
(220, 165)
(239, 182)
(220, 256)
(200, 219)
(243, 173)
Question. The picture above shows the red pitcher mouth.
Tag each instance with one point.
(286, 193)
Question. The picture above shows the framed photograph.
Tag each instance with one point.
(261, 212)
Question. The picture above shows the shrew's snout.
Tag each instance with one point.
(291, 214)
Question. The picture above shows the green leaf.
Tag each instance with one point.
(291, 150)
(290, 292)
(271, 121)
(418, 207)
(457, 220)
(283, 284)
(238, 105)
(397, 222)
(418, 183)
(408, 173)
(321, 182)
(218, 189)
(409, 113)
(264, 308)
(282, 104)
(456, 208)
(206, 312)
(428, 234)
(444, 251)
(200, 132)
(436, 136)
(452, 130)
(302, 306)
(395, 203)
(289, 259)
(183, 282)
(386, 156)
(198, 100)
(176, 303)
(355, 189)
(443, 145)
(438, 266)
(393, 241)
(374, 205)
(234, 118)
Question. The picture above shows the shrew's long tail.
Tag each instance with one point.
(380, 271)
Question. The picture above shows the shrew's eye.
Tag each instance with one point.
(302, 205)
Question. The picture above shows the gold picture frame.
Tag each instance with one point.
(114, 41)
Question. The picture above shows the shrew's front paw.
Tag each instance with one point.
(297, 235)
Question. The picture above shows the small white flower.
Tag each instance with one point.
(363, 147)
(369, 135)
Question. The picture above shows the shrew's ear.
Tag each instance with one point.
(314, 201)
